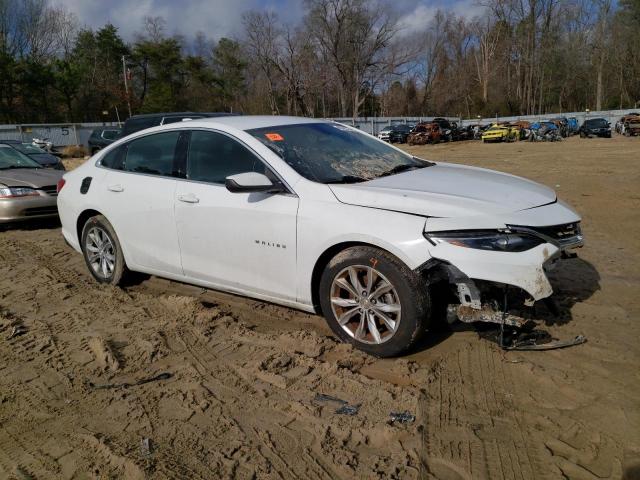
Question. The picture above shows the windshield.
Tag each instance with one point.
(334, 153)
(10, 158)
(29, 148)
(597, 122)
(110, 134)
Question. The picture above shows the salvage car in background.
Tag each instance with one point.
(101, 137)
(598, 127)
(501, 133)
(631, 124)
(318, 216)
(399, 133)
(45, 159)
(27, 190)
(424, 133)
(384, 133)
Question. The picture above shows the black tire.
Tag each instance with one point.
(411, 291)
(115, 275)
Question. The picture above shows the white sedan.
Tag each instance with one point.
(318, 216)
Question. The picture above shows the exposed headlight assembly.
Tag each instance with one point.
(12, 192)
(486, 240)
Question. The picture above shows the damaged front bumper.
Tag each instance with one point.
(482, 278)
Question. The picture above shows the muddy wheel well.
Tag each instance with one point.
(322, 262)
(82, 219)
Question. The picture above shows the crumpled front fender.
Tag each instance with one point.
(525, 270)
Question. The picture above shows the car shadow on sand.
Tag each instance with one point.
(574, 281)
(36, 224)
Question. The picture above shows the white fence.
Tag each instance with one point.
(62, 134)
(374, 124)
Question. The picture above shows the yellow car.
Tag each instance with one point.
(501, 133)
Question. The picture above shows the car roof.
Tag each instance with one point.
(11, 142)
(181, 114)
(249, 122)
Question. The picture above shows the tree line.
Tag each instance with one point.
(343, 58)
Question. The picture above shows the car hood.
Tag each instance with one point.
(26, 177)
(447, 190)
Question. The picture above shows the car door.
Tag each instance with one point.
(139, 202)
(240, 241)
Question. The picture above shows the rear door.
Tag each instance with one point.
(241, 241)
(139, 199)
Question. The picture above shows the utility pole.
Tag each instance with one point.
(126, 86)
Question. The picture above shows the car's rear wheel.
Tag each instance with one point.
(102, 251)
(374, 301)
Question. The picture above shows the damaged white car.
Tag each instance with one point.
(318, 216)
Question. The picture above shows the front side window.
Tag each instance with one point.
(333, 153)
(214, 156)
(152, 154)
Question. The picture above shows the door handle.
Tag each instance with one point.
(188, 198)
(115, 188)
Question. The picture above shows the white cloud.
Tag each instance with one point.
(216, 18)
(419, 17)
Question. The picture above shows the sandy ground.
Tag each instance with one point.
(242, 375)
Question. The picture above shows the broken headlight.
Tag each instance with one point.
(487, 240)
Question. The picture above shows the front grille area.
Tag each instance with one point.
(567, 235)
(32, 212)
(50, 190)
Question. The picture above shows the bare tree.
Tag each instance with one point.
(354, 36)
(262, 32)
(487, 37)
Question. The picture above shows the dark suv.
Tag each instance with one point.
(148, 120)
(399, 133)
(595, 126)
(101, 137)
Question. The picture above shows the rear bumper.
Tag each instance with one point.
(27, 208)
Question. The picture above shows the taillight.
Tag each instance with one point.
(60, 184)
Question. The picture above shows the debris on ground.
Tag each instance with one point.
(511, 338)
(162, 376)
(146, 447)
(16, 331)
(344, 409)
(401, 417)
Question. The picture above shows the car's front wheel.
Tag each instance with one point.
(374, 301)
(102, 251)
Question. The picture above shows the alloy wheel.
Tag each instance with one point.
(365, 303)
(101, 254)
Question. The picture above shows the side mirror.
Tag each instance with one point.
(251, 182)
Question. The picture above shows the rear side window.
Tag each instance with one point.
(214, 156)
(153, 154)
(112, 159)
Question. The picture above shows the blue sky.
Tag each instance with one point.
(218, 18)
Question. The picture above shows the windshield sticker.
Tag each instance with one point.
(274, 137)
